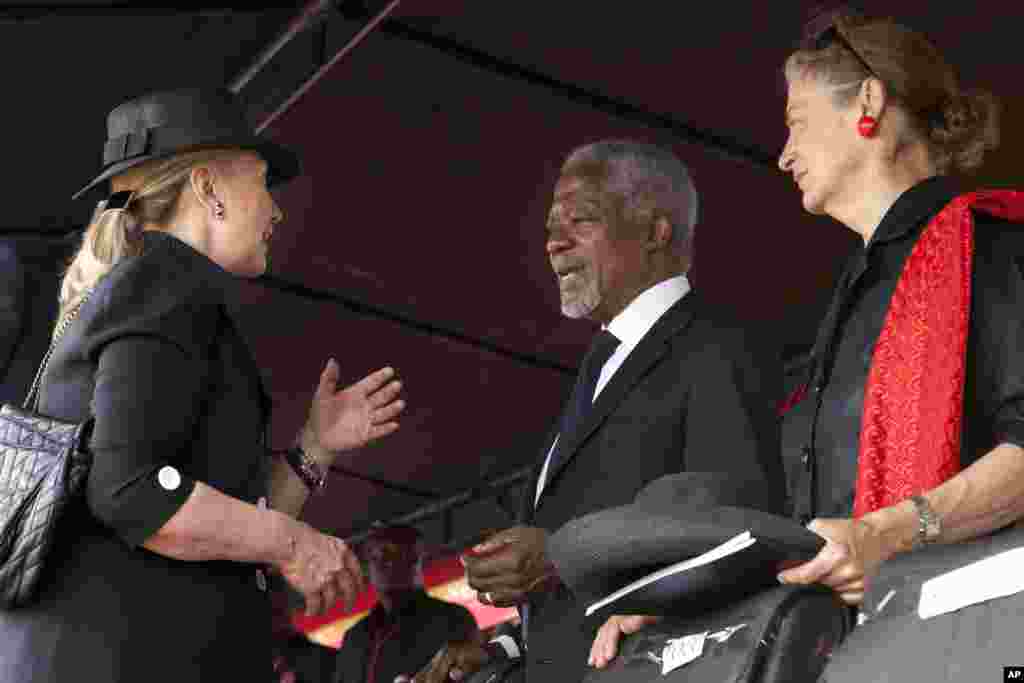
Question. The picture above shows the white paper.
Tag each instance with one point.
(725, 633)
(994, 577)
(733, 545)
(681, 651)
(885, 601)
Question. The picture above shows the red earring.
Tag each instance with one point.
(867, 126)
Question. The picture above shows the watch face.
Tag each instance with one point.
(932, 526)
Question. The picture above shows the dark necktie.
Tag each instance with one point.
(601, 349)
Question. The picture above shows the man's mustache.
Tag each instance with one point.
(563, 266)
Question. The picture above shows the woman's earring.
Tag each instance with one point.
(218, 209)
(867, 126)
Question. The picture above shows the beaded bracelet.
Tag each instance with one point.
(312, 474)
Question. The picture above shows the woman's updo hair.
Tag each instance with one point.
(115, 233)
(967, 128)
(958, 126)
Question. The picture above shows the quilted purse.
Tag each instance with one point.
(43, 468)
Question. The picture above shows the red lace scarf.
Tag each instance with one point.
(913, 399)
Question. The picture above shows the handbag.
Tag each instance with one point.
(43, 468)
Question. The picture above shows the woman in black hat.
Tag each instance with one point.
(158, 575)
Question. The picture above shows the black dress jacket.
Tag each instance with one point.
(416, 631)
(177, 399)
(697, 394)
(821, 435)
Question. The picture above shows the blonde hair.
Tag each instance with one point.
(958, 127)
(113, 234)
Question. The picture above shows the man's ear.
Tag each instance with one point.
(661, 231)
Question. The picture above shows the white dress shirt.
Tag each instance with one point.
(630, 327)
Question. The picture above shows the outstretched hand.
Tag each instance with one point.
(508, 566)
(320, 567)
(345, 419)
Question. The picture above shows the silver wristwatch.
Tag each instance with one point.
(929, 526)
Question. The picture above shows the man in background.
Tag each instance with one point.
(407, 626)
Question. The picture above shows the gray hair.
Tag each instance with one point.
(647, 177)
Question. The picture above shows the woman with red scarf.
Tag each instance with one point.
(910, 429)
(905, 446)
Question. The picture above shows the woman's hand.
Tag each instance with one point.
(853, 551)
(606, 643)
(344, 419)
(320, 567)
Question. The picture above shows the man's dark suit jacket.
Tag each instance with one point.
(699, 394)
(311, 663)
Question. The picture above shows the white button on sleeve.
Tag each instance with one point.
(169, 478)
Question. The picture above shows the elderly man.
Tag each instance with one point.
(407, 626)
(669, 385)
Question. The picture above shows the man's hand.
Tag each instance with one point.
(606, 644)
(853, 552)
(344, 419)
(453, 662)
(509, 565)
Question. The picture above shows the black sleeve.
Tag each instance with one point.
(463, 625)
(145, 405)
(732, 425)
(152, 347)
(995, 374)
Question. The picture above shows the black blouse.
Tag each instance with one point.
(177, 399)
(821, 436)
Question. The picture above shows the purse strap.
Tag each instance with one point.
(32, 400)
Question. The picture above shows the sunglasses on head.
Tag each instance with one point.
(821, 33)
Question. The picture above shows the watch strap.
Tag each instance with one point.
(929, 527)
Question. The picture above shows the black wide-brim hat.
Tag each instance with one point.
(163, 124)
(672, 519)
